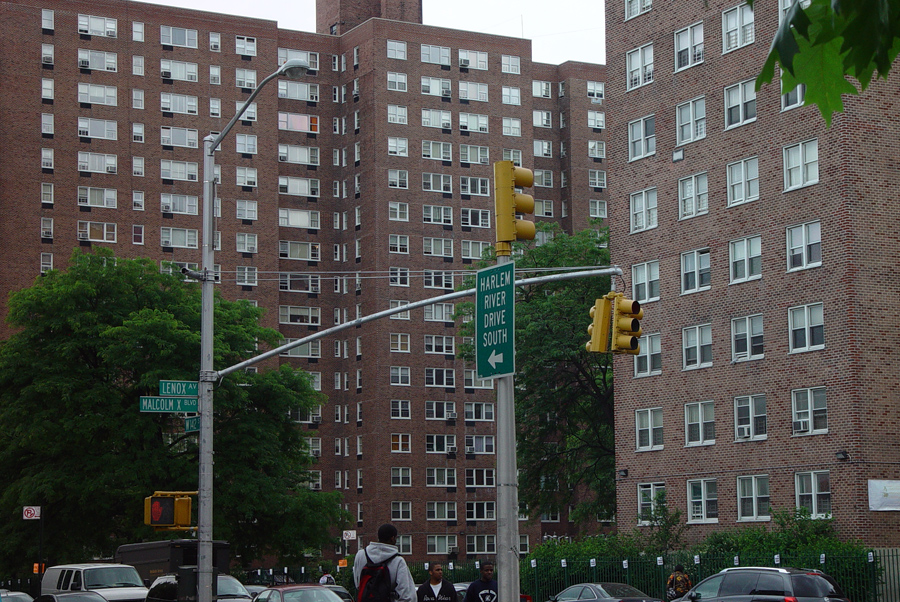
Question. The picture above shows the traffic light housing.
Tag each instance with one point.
(167, 511)
(626, 325)
(599, 327)
(508, 202)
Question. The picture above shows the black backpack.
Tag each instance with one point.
(375, 581)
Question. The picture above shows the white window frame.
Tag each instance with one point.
(696, 347)
(639, 66)
(690, 117)
(809, 411)
(743, 181)
(689, 46)
(696, 274)
(751, 421)
(700, 416)
(756, 489)
(745, 259)
(648, 423)
(810, 320)
(693, 196)
(645, 281)
(641, 138)
(643, 210)
(800, 170)
(804, 245)
(648, 361)
(737, 27)
(703, 501)
(740, 104)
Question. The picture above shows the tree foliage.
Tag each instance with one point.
(563, 396)
(820, 45)
(90, 341)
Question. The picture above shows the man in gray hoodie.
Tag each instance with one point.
(403, 588)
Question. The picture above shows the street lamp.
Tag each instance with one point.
(292, 68)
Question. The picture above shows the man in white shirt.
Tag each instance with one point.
(436, 589)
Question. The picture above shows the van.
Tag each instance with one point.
(115, 582)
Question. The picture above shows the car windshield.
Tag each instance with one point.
(621, 590)
(815, 585)
(311, 595)
(229, 586)
(113, 576)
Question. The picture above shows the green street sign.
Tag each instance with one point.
(495, 304)
(192, 424)
(169, 404)
(179, 388)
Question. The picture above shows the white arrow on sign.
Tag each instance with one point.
(495, 358)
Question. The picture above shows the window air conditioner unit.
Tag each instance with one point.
(167, 243)
(447, 188)
(315, 486)
(110, 169)
(445, 93)
(316, 419)
(251, 249)
(46, 233)
(451, 449)
(597, 101)
(214, 79)
(452, 550)
(463, 62)
(801, 426)
(743, 432)
(192, 77)
(282, 189)
(451, 415)
(82, 167)
(166, 74)
(463, 126)
(470, 449)
(192, 176)
(84, 63)
(241, 84)
(110, 33)
(82, 200)
(82, 236)
(282, 157)
(214, 46)
(482, 128)
(47, 59)
(250, 183)
(316, 453)
(445, 125)
(167, 208)
(483, 160)
(82, 132)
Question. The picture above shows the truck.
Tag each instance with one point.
(153, 559)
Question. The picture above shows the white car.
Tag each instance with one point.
(115, 582)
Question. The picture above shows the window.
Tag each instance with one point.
(398, 147)
(753, 497)
(398, 178)
(439, 55)
(400, 409)
(480, 511)
(401, 510)
(474, 249)
(471, 59)
(398, 243)
(96, 94)
(648, 494)
(649, 427)
(400, 443)
(47, 19)
(299, 283)
(297, 91)
(47, 158)
(396, 81)
(289, 314)
(245, 46)
(740, 104)
(747, 338)
(215, 107)
(440, 544)
(308, 187)
(648, 361)
(303, 155)
(97, 26)
(540, 89)
(298, 218)
(479, 412)
(699, 423)
(245, 78)
(595, 90)
(400, 376)
(807, 326)
(47, 89)
(810, 411)
(437, 214)
(695, 273)
(645, 281)
(97, 60)
(177, 36)
(97, 128)
(440, 444)
(440, 377)
(435, 86)
(510, 64)
(471, 381)
(440, 511)
(398, 276)
(596, 119)
(641, 138)
(479, 444)
(437, 182)
(298, 123)
(47, 193)
(97, 163)
(696, 347)
(596, 178)
(814, 492)
(746, 259)
(640, 66)
(441, 345)
(480, 477)
(97, 197)
(440, 477)
(401, 477)
(750, 417)
(737, 27)
(473, 122)
(643, 210)
(179, 203)
(543, 178)
(542, 119)
(215, 75)
(396, 50)
(440, 410)
(175, 136)
(401, 315)
(693, 198)
(691, 120)
(481, 544)
(439, 247)
(285, 54)
(439, 312)
(543, 208)
(543, 148)
(474, 186)
(475, 218)
(689, 46)
(47, 124)
(511, 96)
(743, 181)
(801, 164)
(433, 118)
(178, 70)
(439, 151)
(804, 246)
(703, 501)
(633, 8)
(178, 170)
(96, 231)
(178, 103)
(793, 98)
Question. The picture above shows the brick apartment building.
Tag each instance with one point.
(363, 186)
(763, 248)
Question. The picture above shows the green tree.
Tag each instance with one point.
(90, 341)
(820, 45)
(665, 529)
(563, 396)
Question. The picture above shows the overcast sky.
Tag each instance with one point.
(560, 30)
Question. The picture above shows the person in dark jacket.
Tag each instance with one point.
(485, 589)
(436, 589)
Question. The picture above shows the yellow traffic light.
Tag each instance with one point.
(168, 511)
(508, 202)
(626, 326)
(599, 328)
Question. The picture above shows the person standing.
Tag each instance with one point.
(485, 589)
(326, 579)
(436, 589)
(678, 583)
(384, 573)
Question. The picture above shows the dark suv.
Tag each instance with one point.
(762, 584)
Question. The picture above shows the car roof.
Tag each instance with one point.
(784, 570)
(89, 565)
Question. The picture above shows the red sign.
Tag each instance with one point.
(31, 513)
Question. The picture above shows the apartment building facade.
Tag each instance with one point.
(363, 186)
(761, 245)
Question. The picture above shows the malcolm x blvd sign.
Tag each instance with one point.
(495, 321)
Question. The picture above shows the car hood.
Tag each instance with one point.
(121, 593)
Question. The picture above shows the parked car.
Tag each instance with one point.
(737, 584)
(254, 590)
(602, 592)
(341, 591)
(299, 592)
(462, 587)
(165, 589)
(10, 596)
(71, 597)
(115, 582)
